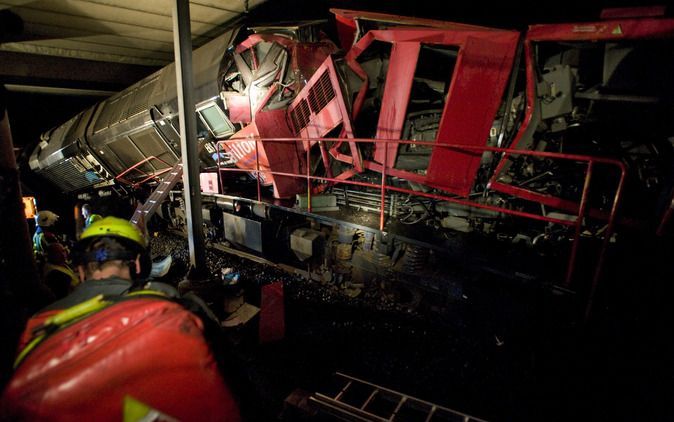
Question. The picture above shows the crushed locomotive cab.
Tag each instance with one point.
(402, 142)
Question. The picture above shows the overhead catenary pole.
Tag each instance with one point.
(182, 47)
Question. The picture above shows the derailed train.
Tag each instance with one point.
(403, 143)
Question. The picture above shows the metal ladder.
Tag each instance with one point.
(145, 211)
(353, 399)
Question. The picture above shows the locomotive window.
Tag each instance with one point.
(216, 121)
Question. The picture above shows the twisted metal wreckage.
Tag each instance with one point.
(376, 155)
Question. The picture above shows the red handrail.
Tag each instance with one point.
(120, 176)
(578, 223)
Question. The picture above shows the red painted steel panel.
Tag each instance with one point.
(322, 123)
(255, 39)
(597, 31)
(402, 64)
(281, 156)
(476, 91)
(272, 313)
(348, 17)
(478, 83)
(603, 31)
(307, 58)
(241, 149)
(152, 350)
(334, 112)
(633, 12)
(238, 106)
(273, 156)
(437, 36)
(346, 29)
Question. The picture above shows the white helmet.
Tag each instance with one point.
(46, 218)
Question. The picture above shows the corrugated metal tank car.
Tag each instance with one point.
(134, 125)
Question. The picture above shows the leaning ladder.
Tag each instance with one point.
(145, 211)
(353, 399)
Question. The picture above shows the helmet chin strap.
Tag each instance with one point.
(133, 271)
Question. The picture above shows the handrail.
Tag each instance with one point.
(578, 223)
(120, 176)
(666, 216)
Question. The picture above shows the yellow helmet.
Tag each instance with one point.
(115, 227)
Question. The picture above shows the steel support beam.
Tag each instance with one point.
(182, 45)
(53, 71)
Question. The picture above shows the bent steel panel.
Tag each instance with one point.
(617, 29)
(476, 91)
(403, 62)
(602, 31)
(128, 112)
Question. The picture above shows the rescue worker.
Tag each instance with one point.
(57, 272)
(89, 216)
(51, 256)
(110, 254)
(44, 236)
(105, 353)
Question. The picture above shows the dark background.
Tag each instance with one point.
(617, 368)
